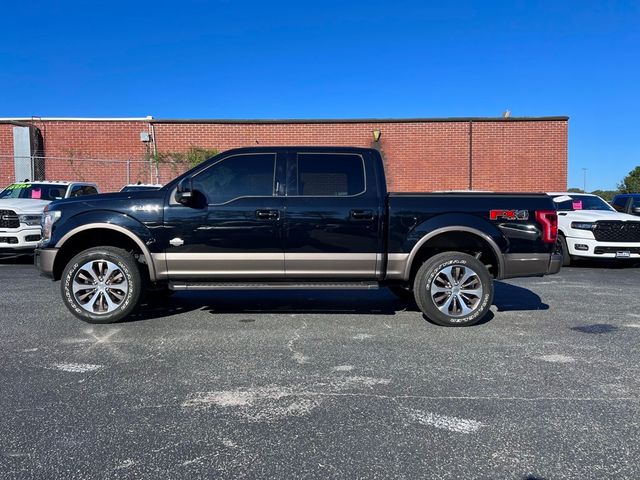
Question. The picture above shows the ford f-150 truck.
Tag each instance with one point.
(295, 217)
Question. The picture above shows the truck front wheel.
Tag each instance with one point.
(453, 289)
(102, 285)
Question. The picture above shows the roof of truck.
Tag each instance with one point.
(56, 182)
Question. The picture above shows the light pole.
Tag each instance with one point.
(584, 180)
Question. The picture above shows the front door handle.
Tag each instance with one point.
(268, 214)
(362, 214)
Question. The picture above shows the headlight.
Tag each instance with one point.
(30, 219)
(48, 219)
(583, 225)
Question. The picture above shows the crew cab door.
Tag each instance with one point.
(333, 220)
(235, 231)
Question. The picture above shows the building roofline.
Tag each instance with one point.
(74, 119)
(150, 119)
(363, 120)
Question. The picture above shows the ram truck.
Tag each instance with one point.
(588, 227)
(21, 207)
(295, 218)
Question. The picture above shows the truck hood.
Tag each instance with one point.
(24, 205)
(595, 215)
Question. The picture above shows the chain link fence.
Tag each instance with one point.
(109, 174)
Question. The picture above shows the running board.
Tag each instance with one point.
(274, 285)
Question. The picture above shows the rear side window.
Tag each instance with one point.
(238, 176)
(330, 175)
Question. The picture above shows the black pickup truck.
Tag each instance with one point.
(294, 217)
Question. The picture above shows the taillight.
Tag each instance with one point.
(549, 221)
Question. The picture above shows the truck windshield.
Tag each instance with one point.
(584, 202)
(36, 191)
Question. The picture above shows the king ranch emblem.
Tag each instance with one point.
(509, 214)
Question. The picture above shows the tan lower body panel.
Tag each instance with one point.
(396, 266)
(331, 265)
(220, 265)
(269, 265)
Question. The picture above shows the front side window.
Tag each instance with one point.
(330, 175)
(237, 176)
(619, 202)
(76, 191)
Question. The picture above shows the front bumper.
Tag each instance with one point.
(597, 249)
(23, 240)
(531, 264)
(44, 260)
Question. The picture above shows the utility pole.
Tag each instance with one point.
(584, 180)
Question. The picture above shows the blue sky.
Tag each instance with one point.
(332, 59)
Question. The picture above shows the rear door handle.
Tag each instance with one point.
(268, 214)
(362, 214)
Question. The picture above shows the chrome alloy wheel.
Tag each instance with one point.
(100, 286)
(456, 290)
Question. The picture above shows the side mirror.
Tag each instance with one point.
(184, 191)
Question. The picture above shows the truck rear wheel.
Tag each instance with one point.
(564, 250)
(453, 289)
(102, 285)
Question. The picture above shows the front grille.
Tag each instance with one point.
(612, 231)
(9, 219)
(9, 240)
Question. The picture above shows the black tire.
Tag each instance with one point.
(564, 250)
(108, 299)
(401, 292)
(447, 306)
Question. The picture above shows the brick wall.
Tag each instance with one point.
(507, 155)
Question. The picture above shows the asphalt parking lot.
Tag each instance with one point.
(324, 385)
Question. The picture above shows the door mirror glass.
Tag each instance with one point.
(184, 191)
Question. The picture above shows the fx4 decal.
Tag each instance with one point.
(509, 214)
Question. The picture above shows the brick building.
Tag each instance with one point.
(499, 154)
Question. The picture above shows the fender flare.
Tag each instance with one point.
(119, 229)
(434, 233)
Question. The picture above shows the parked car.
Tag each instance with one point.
(295, 217)
(591, 228)
(21, 207)
(139, 187)
(627, 203)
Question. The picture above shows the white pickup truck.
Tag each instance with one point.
(589, 227)
(21, 208)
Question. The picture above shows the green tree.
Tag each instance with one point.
(575, 190)
(606, 194)
(631, 183)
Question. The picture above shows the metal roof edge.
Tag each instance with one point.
(74, 119)
(150, 119)
(361, 120)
